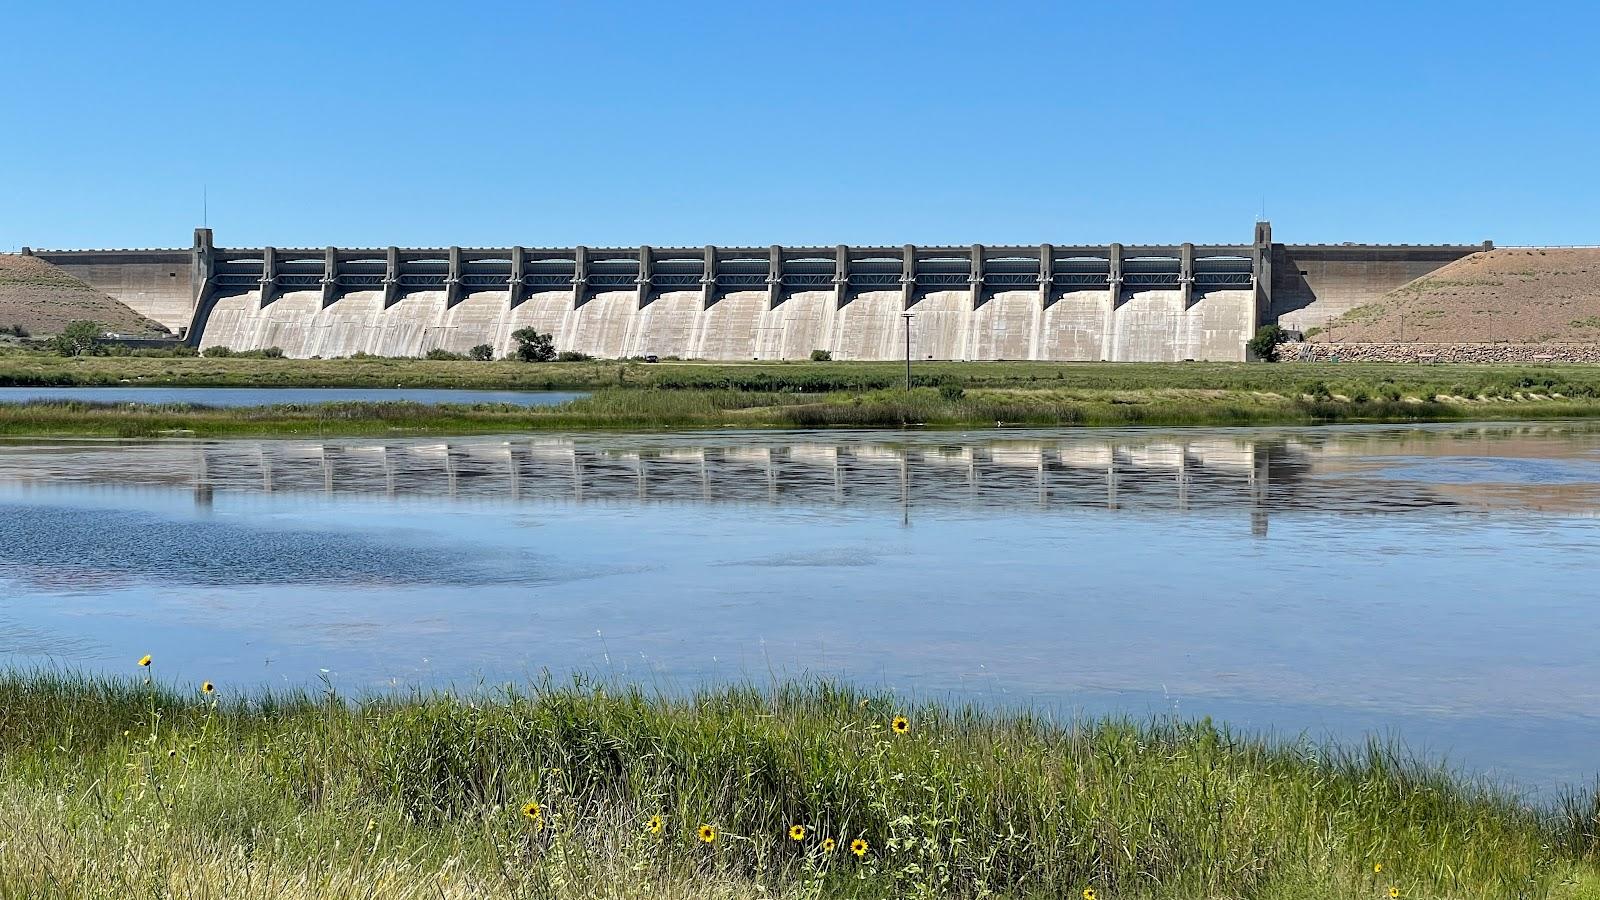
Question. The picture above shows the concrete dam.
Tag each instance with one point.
(1044, 302)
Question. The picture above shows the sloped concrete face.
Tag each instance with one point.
(1074, 325)
(1146, 326)
(666, 325)
(869, 327)
(1003, 327)
(795, 327)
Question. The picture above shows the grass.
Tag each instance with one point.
(112, 788)
(651, 409)
(799, 395)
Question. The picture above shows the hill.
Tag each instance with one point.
(1508, 295)
(42, 299)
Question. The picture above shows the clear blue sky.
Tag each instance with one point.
(488, 124)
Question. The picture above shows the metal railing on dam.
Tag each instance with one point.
(1048, 302)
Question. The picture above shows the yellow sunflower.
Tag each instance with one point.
(707, 834)
(1376, 868)
(532, 811)
(144, 661)
(655, 825)
(207, 687)
(828, 844)
(1394, 892)
(900, 725)
(859, 847)
(1088, 894)
(797, 832)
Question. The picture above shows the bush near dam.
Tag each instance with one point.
(115, 788)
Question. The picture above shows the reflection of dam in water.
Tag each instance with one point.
(1260, 472)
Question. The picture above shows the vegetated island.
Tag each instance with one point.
(115, 787)
(632, 395)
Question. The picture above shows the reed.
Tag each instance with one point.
(112, 787)
(638, 409)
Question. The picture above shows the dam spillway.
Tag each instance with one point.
(1043, 302)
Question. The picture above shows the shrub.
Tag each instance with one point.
(441, 353)
(951, 392)
(216, 352)
(272, 353)
(533, 345)
(1265, 344)
(79, 338)
(821, 355)
(482, 352)
(572, 356)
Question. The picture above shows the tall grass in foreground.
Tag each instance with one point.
(115, 788)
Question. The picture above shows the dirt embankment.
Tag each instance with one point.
(1519, 296)
(42, 299)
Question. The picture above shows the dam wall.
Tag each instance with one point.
(1100, 302)
(1313, 283)
(156, 284)
(1094, 302)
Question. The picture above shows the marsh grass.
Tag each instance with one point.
(684, 395)
(116, 788)
(656, 408)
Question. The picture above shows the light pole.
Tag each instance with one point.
(907, 317)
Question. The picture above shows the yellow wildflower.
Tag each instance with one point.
(707, 834)
(1394, 891)
(655, 824)
(144, 660)
(532, 811)
(828, 844)
(859, 847)
(1376, 868)
(797, 832)
(207, 687)
(900, 725)
(1088, 894)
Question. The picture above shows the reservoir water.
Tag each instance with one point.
(1435, 585)
(231, 397)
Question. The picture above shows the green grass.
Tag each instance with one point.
(19, 367)
(652, 409)
(801, 395)
(110, 788)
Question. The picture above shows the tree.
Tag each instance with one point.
(1265, 344)
(482, 352)
(79, 338)
(533, 346)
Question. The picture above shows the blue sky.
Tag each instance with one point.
(488, 124)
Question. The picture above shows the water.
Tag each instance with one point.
(1433, 584)
(230, 397)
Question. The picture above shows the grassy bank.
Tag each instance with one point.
(801, 395)
(649, 409)
(1344, 379)
(116, 789)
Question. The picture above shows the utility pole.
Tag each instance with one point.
(907, 317)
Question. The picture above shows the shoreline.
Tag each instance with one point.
(699, 396)
(655, 410)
